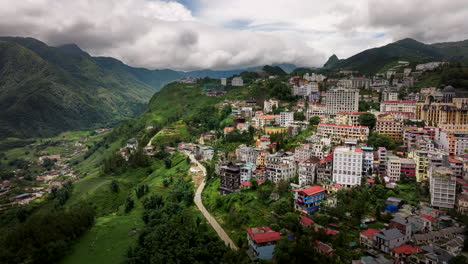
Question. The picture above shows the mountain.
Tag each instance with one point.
(273, 70)
(331, 62)
(372, 60)
(45, 90)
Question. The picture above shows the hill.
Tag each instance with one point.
(45, 90)
(331, 62)
(372, 60)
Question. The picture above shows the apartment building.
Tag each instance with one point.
(316, 110)
(303, 152)
(348, 118)
(338, 133)
(386, 125)
(398, 106)
(421, 160)
(367, 160)
(442, 186)
(237, 81)
(393, 168)
(286, 118)
(230, 174)
(342, 100)
(247, 154)
(347, 166)
(280, 166)
(307, 171)
(308, 200)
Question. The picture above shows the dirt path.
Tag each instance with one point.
(199, 203)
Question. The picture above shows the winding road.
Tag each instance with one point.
(199, 203)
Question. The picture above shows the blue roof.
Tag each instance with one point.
(23, 195)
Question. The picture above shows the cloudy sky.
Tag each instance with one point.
(227, 34)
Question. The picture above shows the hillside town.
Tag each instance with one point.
(419, 137)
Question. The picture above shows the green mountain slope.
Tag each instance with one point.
(331, 62)
(371, 60)
(46, 90)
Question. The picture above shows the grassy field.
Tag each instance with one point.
(115, 231)
(238, 211)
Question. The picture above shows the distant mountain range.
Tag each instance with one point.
(372, 60)
(45, 90)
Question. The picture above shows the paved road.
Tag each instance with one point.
(199, 203)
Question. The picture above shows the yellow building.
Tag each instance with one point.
(274, 130)
(421, 160)
(386, 125)
(443, 113)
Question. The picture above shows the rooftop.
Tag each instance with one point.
(263, 234)
(310, 190)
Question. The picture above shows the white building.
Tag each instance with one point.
(269, 104)
(280, 166)
(286, 118)
(247, 154)
(303, 152)
(237, 81)
(223, 81)
(315, 110)
(398, 106)
(442, 185)
(342, 100)
(307, 171)
(390, 96)
(393, 168)
(347, 166)
(367, 160)
(246, 171)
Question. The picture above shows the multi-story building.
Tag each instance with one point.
(348, 118)
(325, 169)
(393, 168)
(306, 90)
(382, 159)
(390, 96)
(320, 146)
(223, 81)
(455, 143)
(307, 201)
(443, 113)
(263, 120)
(262, 241)
(389, 239)
(286, 118)
(307, 170)
(408, 168)
(342, 100)
(442, 186)
(247, 171)
(398, 106)
(347, 166)
(263, 142)
(280, 166)
(338, 133)
(386, 125)
(230, 174)
(303, 152)
(269, 105)
(367, 160)
(247, 154)
(316, 110)
(237, 81)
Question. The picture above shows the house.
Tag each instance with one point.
(366, 238)
(307, 171)
(402, 253)
(324, 248)
(261, 241)
(132, 144)
(393, 204)
(403, 225)
(462, 203)
(306, 221)
(308, 200)
(389, 239)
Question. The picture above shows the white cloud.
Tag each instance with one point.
(224, 34)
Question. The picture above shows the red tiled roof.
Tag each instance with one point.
(331, 232)
(263, 234)
(307, 221)
(452, 160)
(370, 180)
(370, 233)
(336, 185)
(311, 190)
(246, 184)
(406, 249)
(430, 218)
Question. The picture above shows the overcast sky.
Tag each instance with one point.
(227, 34)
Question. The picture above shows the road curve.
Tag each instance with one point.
(199, 203)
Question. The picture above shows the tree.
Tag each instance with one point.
(378, 140)
(299, 116)
(168, 163)
(282, 187)
(114, 186)
(315, 120)
(129, 204)
(368, 120)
